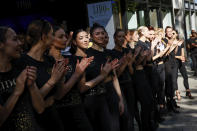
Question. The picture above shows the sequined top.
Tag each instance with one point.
(22, 116)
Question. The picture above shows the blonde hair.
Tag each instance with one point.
(141, 29)
(158, 31)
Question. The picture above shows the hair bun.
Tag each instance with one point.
(96, 25)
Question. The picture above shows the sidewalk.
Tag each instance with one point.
(186, 120)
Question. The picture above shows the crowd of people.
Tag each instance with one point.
(192, 50)
(91, 88)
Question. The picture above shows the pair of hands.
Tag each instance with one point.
(60, 69)
(127, 59)
(155, 41)
(27, 76)
(109, 66)
(142, 52)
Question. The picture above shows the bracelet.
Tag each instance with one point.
(49, 84)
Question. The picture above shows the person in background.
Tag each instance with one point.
(181, 65)
(143, 89)
(95, 102)
(159, 49)
(40, 37)
(171, 69)
(193, 52)
(68, 98)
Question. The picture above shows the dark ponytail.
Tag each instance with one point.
(94, 27)
(3, 31)
(73, 48)
(56, 28)
(35, 31)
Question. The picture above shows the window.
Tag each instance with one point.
(141, 18)
(167, 2)
(132, 20)
(153, 18)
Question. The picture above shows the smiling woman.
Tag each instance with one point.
(15, 108)
(59, 42)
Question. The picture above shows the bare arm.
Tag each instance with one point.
(66, 87)
(182, 57)
(103, 77)
(6, 109)
(37, 99)
(161, 54)
(118, 91)
(194, 45)
(130, 68)
(122, 67)
(57, 73)
(84, 86)
(79, 70)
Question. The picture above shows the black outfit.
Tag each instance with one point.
(95, 102)
(181, 67)
(143, 92)
(159, 78)
(158, 83)
(150, 71)
(70, 107)
(49, 119)
(126, 85)
(113, 101)
(189, 43)
(151, 74)
(22, 117)
(171, 69)
(194, 55)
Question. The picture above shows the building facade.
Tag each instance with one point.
(180, 14)
(190, 16)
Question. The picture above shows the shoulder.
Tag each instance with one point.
(139, 43)
(126, 50)
(181, 43)
(165, 41)
(49, 59)
(21, 62)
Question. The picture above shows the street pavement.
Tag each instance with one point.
(186, 120)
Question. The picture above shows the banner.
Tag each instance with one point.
(101, 13)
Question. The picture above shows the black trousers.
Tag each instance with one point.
(161, 84)
(171, 71)
(74, 118)
(183, 71)
(128, 117)
(113, 104)
(150, 75)
(98, 113)
(50, 120)
(144, 96)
